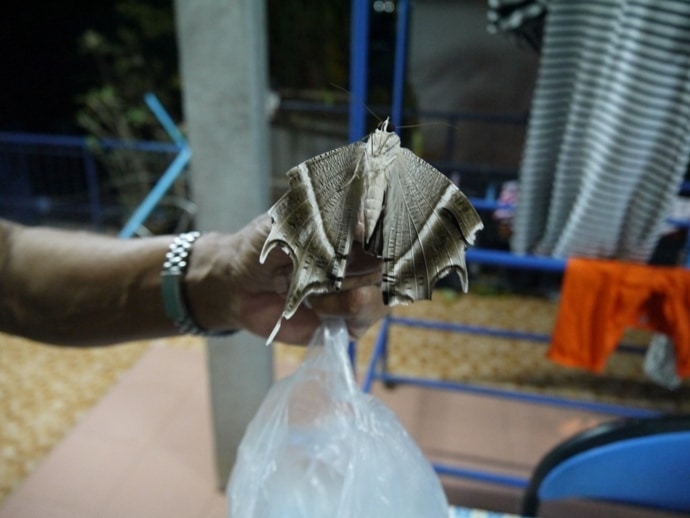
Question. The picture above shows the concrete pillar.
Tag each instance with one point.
(223, 65)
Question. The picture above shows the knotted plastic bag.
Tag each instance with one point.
(320, 447)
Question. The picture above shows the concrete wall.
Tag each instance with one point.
(455, 64)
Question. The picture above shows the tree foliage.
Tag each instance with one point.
(309, 43)
(140, 57)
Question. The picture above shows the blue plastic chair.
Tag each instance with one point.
(639, 462)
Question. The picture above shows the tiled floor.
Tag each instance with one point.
(145, 449)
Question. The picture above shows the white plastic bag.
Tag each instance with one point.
(660, 362)
(320, 447)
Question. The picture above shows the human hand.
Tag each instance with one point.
(237, 291)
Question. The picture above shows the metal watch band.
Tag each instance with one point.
(172, 275)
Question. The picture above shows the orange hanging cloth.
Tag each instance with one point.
(600, 299)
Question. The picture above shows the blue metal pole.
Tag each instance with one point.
(526, 397)
(144, 209)
(359, 68)
(168, 125)
(500, 258)
(376, 354)
(401, 33)
(169, 176)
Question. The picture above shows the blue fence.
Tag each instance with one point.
(48, 178)
(63, 178)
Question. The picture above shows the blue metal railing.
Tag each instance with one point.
(377, 365)
(46, 176)
(57, 177)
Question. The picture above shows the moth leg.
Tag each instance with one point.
(355, 174)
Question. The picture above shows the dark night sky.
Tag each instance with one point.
(41, 68)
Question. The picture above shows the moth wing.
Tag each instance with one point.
(314, 221)
(428, 224)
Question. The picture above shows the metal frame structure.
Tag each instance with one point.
(179, 163)
(62, 161)
(377, 368)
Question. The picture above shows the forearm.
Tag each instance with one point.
(76, 288)
(81, 289)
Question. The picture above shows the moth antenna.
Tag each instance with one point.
(371, 112)
(349, 94)
(424, 124)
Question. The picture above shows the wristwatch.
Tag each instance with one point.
(172, 288)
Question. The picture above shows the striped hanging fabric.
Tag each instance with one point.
(608, 141)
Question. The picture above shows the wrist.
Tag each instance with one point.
(188, 287)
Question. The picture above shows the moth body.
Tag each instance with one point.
(380, 153)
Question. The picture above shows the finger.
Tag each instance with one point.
(358, 325)
(299, 329)
(362, 262)
(363, 267)
(364, 280)
(364, 304)
(357, 329)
